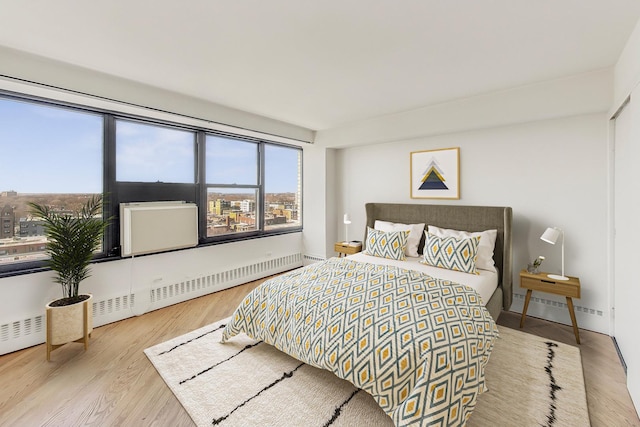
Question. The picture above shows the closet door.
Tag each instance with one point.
(627, 240)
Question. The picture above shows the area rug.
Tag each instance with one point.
(532, 382)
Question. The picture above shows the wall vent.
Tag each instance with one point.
(310, 259)
(19, 334)
(214, 281)
(559, 304)
(112, 305)
(24, 327)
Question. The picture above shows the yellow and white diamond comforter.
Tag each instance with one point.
(417, 344)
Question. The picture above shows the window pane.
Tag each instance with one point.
(230, 161)
(149, 153)
(49, 155)
(231, 210)
(283, 187)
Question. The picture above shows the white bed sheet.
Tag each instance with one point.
(484, 283)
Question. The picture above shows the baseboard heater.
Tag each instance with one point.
(150, 227)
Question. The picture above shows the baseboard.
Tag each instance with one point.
(622, 362)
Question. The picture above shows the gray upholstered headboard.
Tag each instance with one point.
(467, 218)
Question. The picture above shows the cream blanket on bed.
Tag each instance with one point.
(417, 344)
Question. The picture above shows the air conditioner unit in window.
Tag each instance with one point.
(149, 227)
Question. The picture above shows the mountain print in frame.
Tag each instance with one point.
(435, 174)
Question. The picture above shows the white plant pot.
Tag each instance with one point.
(69, 323)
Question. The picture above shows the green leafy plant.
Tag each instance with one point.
(538, 261)
(71, 242)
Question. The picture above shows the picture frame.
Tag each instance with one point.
(435, 174)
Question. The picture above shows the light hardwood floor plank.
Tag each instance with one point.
(113, 383)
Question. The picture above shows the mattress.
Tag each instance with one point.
(485, 283)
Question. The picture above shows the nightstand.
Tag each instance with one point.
(541, 282)
(346, 248)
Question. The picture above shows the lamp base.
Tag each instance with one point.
(557, 277)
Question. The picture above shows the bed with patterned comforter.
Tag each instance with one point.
(417, 344)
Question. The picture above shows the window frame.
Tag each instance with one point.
(258, 186)
(116, 192)
(263, 180)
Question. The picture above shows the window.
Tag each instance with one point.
(282, 186)
(252, 186)
(150, 153)
(49, 155)
(59, 154)
(233, 189)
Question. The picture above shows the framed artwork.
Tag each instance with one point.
(435, 174)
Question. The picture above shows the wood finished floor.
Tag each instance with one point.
(113, 383)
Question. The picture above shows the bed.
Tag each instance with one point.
(416, 342)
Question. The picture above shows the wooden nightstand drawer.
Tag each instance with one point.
(346, 249)
(565, 288)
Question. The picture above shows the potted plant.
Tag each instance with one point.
(71, 242)
(533, 267)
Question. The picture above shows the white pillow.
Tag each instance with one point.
(415, 234)
(485, 249)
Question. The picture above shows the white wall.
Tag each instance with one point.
(118, 277)
(627, 69)
(320, 207)
(627, 84)
(173, 277)
(551, 172)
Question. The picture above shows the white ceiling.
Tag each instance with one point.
(323, 63)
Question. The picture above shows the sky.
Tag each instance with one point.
(47, 149)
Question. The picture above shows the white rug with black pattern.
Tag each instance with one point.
(532, 382)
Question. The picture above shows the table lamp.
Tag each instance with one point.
(347, 221)
(551, 235)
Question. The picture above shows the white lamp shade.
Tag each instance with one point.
(551, 235)
(347, 221)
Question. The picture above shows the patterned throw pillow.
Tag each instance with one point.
(485, 247)
(386, 245)
(415, 233)
(451, 253)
